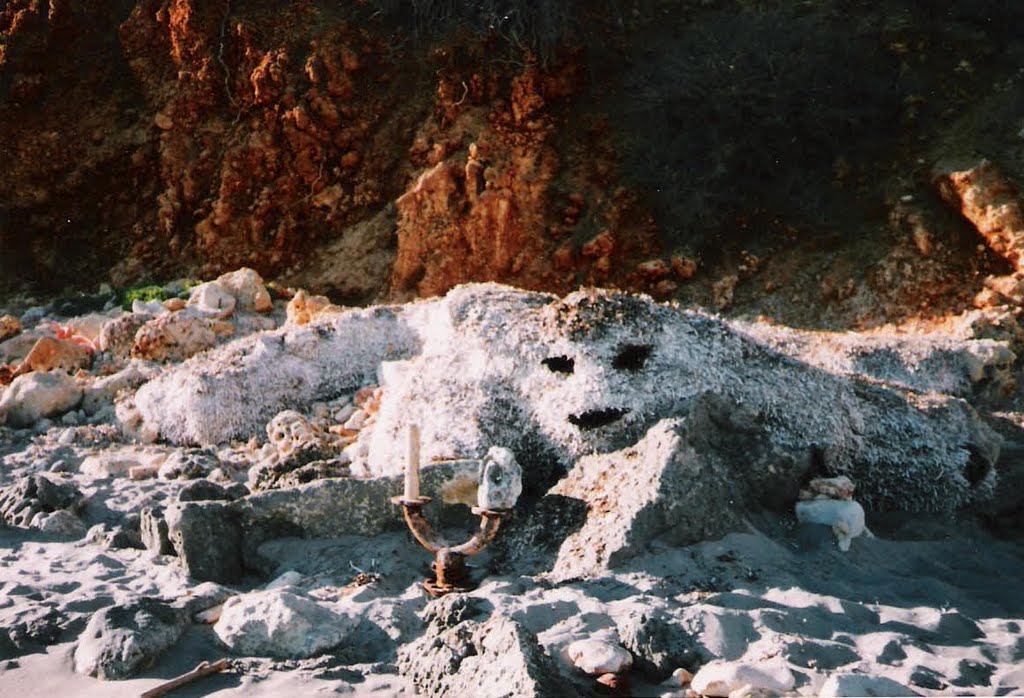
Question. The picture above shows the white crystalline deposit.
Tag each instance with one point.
(556, 379)
(234, 390)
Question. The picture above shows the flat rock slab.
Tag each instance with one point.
(282, 624)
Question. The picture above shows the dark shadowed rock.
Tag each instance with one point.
(207, 538)
(153, 529)
(659, 644)
(120, 641)
(491, 659)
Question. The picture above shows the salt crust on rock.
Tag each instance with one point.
(554, 380)
(234, 390)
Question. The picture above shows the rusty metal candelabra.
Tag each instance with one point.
(451, 573)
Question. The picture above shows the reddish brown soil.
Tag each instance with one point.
(147, 139)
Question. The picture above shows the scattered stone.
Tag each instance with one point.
(680, 677)
(492, 659)
(210, 615)
(829, 488)
(206, 490)
(22, 501)
(122, 640)
(118, 335)
(304, 308)
(9, 326)
(247, 286)
(659, 644)
(64, 524)
(861, 685)
(142, 472)
(173, 337)
(112, 463)
(188, 464)
(30, 628)
(53, 354)
(207, 539)
(36, 395)
(596, 657)
(720, 678)
(213, 300)
(279, 623)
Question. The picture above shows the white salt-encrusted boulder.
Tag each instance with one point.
(558, 379)
(234, 390)
(35, 395)
(280, 623)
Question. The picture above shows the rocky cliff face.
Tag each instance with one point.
(368, 156)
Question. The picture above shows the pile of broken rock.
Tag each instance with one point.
(234, 439)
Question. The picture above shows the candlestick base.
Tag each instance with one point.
(451, 573)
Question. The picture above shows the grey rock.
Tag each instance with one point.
(665, 486)
(207, 538)
(491, 659)
(36, 494)
(659, 643)
(332, 507)
(64, 524)
(29, 628)
(203, 490)
(120, 641)
(279, 623)
(188, 464)
(153, 530)
(56, 494)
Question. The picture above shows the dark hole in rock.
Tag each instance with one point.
(632, 357)
(592, 419)
(977, 467)
(560, 364)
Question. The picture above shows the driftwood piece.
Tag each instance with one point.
(202, 670)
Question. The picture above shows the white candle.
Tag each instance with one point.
(412, 466)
